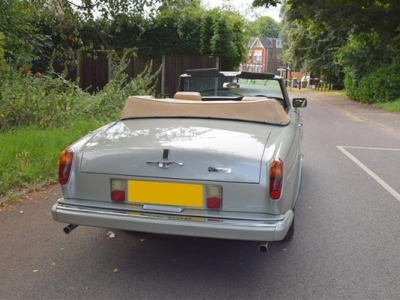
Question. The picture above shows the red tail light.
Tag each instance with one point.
(64, 165)
(214, 196)
(276, 179)
(214, 203)
(118, 190)
(118, 196)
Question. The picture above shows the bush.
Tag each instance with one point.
(107, 104)
(42, 102)
(379, 85)
(50, 100)
(3, 64)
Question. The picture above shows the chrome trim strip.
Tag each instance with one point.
(221, 170)
(166, 208)
(164, 164)
(145, 215)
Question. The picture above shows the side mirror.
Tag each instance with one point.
(300, 102)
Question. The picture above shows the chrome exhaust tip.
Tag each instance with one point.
(263, 247)
(69, 228)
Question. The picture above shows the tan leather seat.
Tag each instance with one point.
(195, 96)
(247, 98)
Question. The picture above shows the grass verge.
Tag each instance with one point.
(29, 156)
(389, 106)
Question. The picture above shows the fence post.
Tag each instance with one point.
(109, 65)
(163, 75)
(79, 67)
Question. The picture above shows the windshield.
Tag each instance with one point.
(231, 88)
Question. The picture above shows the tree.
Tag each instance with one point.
(191, 29)
(110, 9)
(308, 43)
(266, 3)
(361, 16)
(263, 26)
(314, 31)
(23, 41)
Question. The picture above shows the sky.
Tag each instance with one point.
(244, 6)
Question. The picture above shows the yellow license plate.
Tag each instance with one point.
(165, 193)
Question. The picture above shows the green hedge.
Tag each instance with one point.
(377, 86)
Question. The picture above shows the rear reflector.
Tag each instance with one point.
(118, 196)
(214, 196)
(214, 203)
(276, 179)
(118, 190)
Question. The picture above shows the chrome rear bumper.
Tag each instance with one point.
(161, 223)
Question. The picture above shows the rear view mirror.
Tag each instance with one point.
(299, 102)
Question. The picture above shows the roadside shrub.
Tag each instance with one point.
(3, 64)
(350, 85)
(51, 100)
(107, 104)
(379, 85)
(42, 102)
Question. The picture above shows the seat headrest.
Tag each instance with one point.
(195, 96)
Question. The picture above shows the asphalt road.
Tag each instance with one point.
(346, 244)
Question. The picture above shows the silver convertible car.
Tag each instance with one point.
(221, 159)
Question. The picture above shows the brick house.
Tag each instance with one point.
(262, 55)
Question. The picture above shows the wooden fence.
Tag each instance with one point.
(94, 73)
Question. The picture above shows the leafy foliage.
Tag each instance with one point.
(50, 100)
(186, 29)
(107, 9)
(3, 64)
(27, 100)
(175, 27)
(107, 104)
(320, 59)
(23, 41)
(266, 3)
(378, 85)
(360, 55)
(315, 35)
(263, 26)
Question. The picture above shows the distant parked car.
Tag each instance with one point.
(211, 162)
(295, 83)
(230, 85)
(305, 78)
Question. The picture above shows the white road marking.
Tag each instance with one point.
(370, 148)
(369, 171)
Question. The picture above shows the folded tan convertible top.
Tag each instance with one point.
(258, 110)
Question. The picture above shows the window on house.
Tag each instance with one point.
(257, 56)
